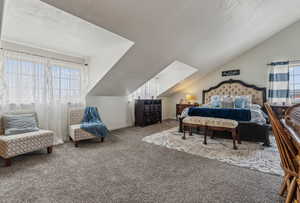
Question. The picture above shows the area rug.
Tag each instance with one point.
(249, 155)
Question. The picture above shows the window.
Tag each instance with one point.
(148, 90)
(29, 81)
(294, 83)
(24, 81)
(66, 82)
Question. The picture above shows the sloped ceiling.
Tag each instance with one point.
(201, 33)
(172, 75)
(166, 80)
(37, 24)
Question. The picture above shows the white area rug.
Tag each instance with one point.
(249, 155)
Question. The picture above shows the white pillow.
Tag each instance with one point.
(255, 106)
(227, 101)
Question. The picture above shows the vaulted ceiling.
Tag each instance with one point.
(34, 23)
(201, 33)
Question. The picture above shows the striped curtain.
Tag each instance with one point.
(279, 83)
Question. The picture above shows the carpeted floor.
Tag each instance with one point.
(125, 169)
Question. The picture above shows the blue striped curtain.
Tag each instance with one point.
(279, 83)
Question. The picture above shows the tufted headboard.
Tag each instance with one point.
(1, 126)
(235, 88)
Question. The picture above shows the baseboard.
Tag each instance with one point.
(170, 118)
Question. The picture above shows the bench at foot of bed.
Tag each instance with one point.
(211, 124)
(248, 131)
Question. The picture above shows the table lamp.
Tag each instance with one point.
(190, 98)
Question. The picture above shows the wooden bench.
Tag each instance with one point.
(210, 125)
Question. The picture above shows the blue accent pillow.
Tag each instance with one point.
(215, 101)
(19, 123)
(242, 102)
(239, 103)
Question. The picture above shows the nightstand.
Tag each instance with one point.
(181, 107)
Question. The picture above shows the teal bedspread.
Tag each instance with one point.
(234, 114)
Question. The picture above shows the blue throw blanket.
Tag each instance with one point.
(92, 123)
(233, 114)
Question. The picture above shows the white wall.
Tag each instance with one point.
(166, 108)
(117, 112)
(285, 45)
(114, 111)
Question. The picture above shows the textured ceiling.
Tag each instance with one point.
(37, 24)
(201, 33)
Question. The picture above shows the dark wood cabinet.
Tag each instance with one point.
(181, 107)
(147, 112)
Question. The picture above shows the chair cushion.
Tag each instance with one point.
(14, 145)
(76, 133)
(211, 122)
(195, 120)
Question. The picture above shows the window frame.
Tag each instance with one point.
(293, 83)
(47, 66)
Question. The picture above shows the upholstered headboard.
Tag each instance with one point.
(234, 88)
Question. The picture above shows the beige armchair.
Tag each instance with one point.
(14, 145)
(75, 133)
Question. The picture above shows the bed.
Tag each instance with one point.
(257, 128)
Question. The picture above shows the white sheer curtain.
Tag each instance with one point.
(148, 90)
(294, 83)
(2, 90)
(43, 85)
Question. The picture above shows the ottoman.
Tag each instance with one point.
(212, 124)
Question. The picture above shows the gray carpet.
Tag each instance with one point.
(125, 169)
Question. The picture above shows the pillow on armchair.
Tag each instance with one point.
(19, 123)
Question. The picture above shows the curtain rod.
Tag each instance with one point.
(53, 58)
(288, 61)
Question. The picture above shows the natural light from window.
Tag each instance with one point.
(294, 83)
(27, 81)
